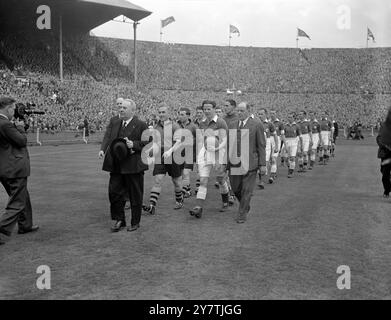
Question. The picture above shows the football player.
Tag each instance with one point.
(291, 139)
(211, 156)
(325, 135)
(280, 131)
(230, 116)
(306, 140)
(169, 142)
(200, 117)
(271, 142)
(315, 131)
(185, 122)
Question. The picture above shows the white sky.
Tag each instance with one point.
(262, 23)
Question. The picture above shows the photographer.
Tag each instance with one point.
(14, 170)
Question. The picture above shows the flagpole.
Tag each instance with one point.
(367, 37)
(229, 37)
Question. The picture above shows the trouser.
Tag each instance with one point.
(119, 186)
(243, 187)
(18, 208)
(386, 176)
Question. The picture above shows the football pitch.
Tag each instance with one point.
(299, 231)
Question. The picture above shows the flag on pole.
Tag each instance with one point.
(233, 29)
(370, 35)
(167, 21)
(301, 33)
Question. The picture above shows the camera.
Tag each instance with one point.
(21, 110)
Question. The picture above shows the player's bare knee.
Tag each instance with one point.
(159, 180)
(176, 181)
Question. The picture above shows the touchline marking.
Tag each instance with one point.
(57, 152)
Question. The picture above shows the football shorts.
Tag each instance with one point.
(315, 141)
(306, 142)
(268, 148)
(291, 146)
(325, 138)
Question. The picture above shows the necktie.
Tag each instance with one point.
(239, 138)
(121, 133)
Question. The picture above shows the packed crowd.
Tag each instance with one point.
(353, 85)
(83, 56)
(216, 68)
(67, 105)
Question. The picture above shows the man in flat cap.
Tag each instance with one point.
(126, 169)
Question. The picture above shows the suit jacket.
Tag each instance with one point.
(106, 139)
(383, 140)
(253, 157)
(134, 130)
(14, 157)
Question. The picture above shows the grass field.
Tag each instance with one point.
(297, 234)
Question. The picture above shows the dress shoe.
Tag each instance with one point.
(32, 229)
(118, 225)
(133, 228)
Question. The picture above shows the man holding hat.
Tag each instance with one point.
(121, 149)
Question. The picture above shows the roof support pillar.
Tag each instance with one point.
(61, 57)
(135, 53)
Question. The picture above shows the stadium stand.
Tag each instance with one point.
(351, 84)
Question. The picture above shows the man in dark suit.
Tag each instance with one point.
(247, 155)
(14, 170)
(107, 138)
(384, 153)
(335, 136)
(126, 176)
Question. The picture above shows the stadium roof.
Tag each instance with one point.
(79, 16)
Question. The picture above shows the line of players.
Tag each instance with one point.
(298, 140)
